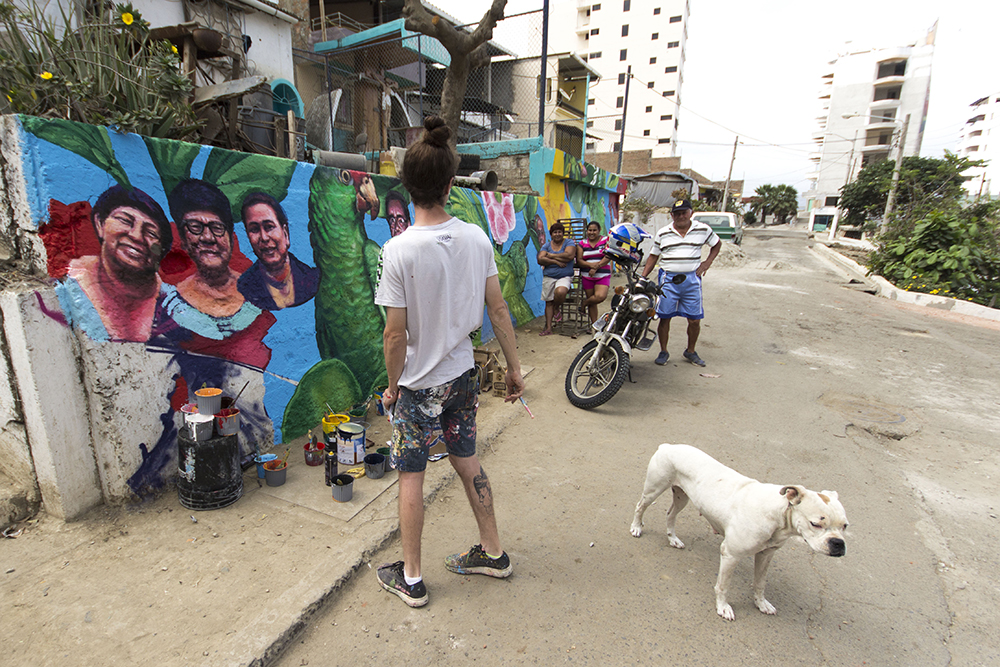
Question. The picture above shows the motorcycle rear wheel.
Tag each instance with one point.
(586, 389)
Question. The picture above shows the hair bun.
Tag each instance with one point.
(437, 132)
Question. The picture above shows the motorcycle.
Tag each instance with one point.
(599, 370)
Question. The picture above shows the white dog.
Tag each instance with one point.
(754, 518)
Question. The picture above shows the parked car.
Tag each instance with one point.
(728, 226)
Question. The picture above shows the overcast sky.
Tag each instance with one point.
(753, 70)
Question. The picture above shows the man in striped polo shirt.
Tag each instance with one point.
(677, 251)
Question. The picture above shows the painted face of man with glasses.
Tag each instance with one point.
(205, 222)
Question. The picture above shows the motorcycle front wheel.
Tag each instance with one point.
(587, 388)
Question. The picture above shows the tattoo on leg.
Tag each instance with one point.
(482, 484)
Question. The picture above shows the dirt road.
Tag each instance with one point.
(808, 382)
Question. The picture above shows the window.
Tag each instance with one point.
(590, 101)
(673, 45)
(617, 147)
(675, 19)
(650, 84)
(666, 116)
(677, 123)
(595, 55)
(831, 201)
(623, 55)
(656, 11)
(591, 145)
(595, 31)
(620, 102)
(668, 93)
(649, 109)
(656, 35)
(670, 69)
(624, 31)
(590, 123)
(626, 5)
(888, 93)
(621, 79)
(664, 141)
(596, 7)
(618, 124)
(972, 149)
(652, 61)
(645, 133)
(897, 68)
(976, 133)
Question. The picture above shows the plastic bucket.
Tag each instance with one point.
(314, 457)
(374, 466)
(350, 443)
(228, 421)
(273, 475)
(343, 488)
(199, 427)
(387, 453)
(261, 460)
(210, 473)
(209, 400)
(330, 423)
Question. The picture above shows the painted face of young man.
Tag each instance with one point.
(268, 237)
(130, 243)
(397, 216)
(207, 241)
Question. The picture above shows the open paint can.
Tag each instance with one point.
(209, 400)
(200, 427)
(350, 443)
(228, 421)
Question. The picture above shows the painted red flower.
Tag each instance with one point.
(500, 214)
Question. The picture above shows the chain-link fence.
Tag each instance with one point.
(381, 90)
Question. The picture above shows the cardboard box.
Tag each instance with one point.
(500, 388)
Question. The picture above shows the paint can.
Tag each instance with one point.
(330, 423)
(210, 473)
(199, 427)
(227, 421)
(351, 443)
(209, 400)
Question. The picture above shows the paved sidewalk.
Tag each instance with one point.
(156, 584)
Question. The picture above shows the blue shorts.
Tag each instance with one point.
(680, 299)
(421, 416)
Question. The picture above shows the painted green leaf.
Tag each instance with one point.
(91, 142)
(238, 174)
(512, 270)
(520, 201)
(172, 160)
(328, 382)
(466, 205)
(577, 193)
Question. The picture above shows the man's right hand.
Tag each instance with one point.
(515, 386)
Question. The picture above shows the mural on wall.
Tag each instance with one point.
(233, 266)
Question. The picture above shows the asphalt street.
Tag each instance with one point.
(809, 381)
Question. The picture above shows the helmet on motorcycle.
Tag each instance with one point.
(624, 240)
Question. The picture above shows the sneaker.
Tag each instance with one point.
(661, 358)
(391, 578)
(475, 561)
(693, 358)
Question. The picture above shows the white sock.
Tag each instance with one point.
(412, 580)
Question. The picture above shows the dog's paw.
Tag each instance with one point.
(636, 530)
(674, 542)
(765, 606)
(725, 611)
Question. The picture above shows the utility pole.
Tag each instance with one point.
(725, 193)
(850, 169)
(621, 139)
(542, 83)
(891, 200)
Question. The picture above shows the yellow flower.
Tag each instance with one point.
(46, 75)
(127, 18)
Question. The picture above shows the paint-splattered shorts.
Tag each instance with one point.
(421, 416)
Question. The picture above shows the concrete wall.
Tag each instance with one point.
(108, 348)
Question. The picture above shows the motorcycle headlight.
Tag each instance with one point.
(639, 303)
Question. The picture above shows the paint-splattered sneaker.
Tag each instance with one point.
(392, 579)
(475, 561)
(693, 358)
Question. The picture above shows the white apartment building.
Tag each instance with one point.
(611, 35)
(980, 140)
(866, 98)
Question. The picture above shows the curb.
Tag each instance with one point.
(887, 290)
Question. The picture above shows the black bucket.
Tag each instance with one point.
(210, 472)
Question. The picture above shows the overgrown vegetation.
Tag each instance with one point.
(103, 70)
(640, 207)
(935, 241)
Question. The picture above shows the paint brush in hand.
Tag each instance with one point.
(521, 398)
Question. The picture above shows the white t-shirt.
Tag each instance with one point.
(438, 274)
(682, 254)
